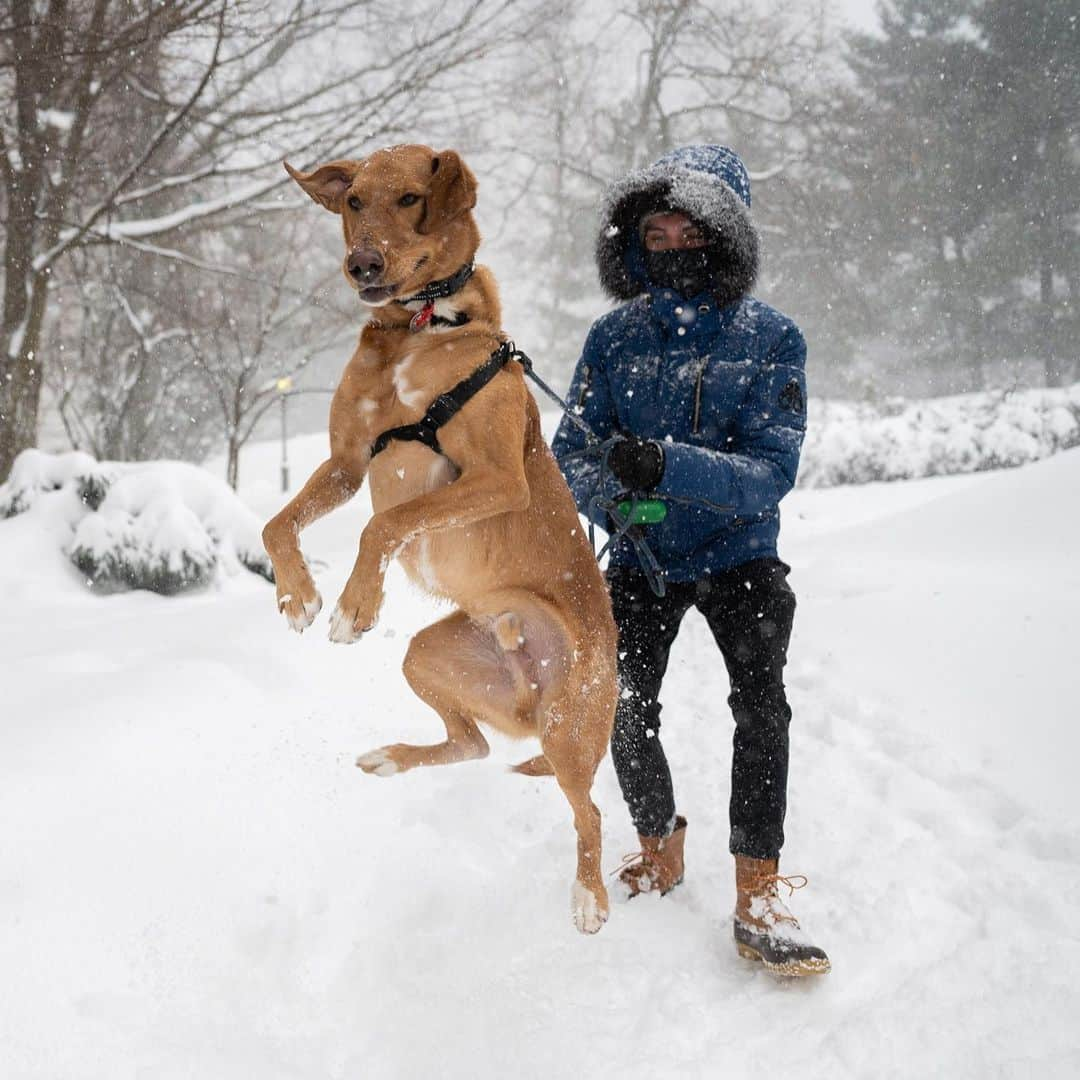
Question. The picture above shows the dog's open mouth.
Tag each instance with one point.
(376, 294)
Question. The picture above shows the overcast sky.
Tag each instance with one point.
(860, 13)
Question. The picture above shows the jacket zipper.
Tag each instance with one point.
(695, 425)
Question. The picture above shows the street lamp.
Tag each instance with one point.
(284, 385)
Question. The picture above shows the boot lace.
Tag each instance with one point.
(792, 881)
(644, 861)
(765, 890)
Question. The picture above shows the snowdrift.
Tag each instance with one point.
(849, 443)
(163, 526)
(198, 882)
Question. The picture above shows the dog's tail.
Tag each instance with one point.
(535, 766)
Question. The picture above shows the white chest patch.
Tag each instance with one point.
(408, 394)
(445, 310)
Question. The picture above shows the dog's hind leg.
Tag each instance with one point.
(458, 668)
(574, 743)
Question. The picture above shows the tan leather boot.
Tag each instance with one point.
(765, 930)
(659, 863)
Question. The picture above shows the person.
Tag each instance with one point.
(706, 386)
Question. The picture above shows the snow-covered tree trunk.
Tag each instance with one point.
(20, 386)
(34, 199)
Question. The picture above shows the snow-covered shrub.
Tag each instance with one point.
(163, 526)
(36, 472)
(848, 443)
(163, 548)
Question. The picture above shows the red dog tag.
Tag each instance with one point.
(422, 317)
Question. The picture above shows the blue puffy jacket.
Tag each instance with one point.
(720, 383)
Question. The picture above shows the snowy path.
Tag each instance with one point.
(196, 881)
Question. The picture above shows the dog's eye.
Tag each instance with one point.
(408, 200)
(354, 203)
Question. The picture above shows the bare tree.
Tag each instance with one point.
(540, 163)
(712, 70)
(216, 107)
(685, 71)
(120, 375)
(251, 345)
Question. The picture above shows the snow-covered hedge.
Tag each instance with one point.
(163, 526)
(848, 443)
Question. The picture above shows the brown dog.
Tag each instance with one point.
(483, 518)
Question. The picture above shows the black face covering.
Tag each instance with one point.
(689, 271)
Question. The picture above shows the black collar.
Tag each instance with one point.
(437, 290)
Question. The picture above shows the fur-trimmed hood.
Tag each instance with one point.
(709, 184)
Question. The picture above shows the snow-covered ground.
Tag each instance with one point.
(195, 881)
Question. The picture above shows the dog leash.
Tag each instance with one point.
(624, 512)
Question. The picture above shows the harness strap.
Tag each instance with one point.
(446, 406)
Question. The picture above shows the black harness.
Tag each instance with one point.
(446, 406)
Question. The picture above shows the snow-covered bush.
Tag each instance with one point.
(163, 526)
(35, 473)
(848, 443)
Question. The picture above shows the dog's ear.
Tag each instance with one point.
(328, 183)
(452, 191)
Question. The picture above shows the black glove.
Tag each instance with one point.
(637, 463)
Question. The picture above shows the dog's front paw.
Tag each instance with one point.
(346, 626)
(299, 612)
(356, 613)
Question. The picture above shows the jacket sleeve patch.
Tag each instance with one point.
(791, 398)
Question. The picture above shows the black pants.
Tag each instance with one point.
(749, 611)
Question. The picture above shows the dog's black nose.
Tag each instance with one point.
(365, 264)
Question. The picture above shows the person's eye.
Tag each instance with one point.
(354, 203)
(408, 200)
